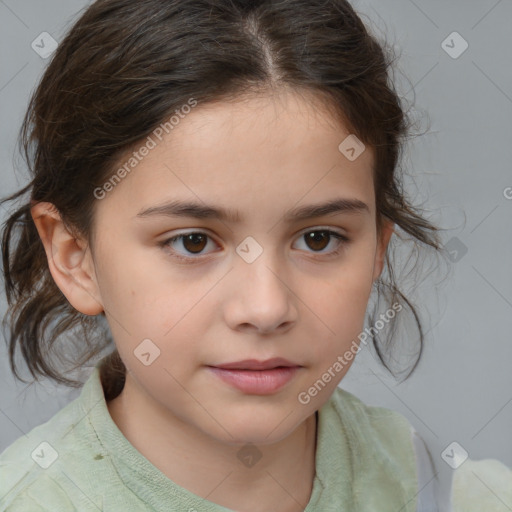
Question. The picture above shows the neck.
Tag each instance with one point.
(276, 476)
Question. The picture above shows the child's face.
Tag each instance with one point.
(227, 302)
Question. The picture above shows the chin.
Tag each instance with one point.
(257, 429)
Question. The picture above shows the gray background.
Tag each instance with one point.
(461, 168)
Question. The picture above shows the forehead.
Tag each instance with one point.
(259, 153)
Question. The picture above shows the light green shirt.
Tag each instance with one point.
(80, 460)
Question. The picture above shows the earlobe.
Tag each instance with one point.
(69, 260)
(382, 245)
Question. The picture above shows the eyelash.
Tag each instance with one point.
(191, 259)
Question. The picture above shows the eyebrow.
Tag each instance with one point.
(190, 209)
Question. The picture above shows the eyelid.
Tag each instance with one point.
(322, 228)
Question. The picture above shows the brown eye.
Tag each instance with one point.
(186, 245)
(194, 242)
(317, 240)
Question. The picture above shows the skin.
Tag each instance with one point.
(262, 156)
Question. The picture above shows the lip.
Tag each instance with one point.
(257, 377)
(254, 364)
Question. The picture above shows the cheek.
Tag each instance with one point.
(340, 303)
(173, 313)
(133, 282)
(344, 291)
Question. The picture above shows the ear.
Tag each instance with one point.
(382, 244)
(69, 260)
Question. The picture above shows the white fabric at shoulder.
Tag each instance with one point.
(482, 485)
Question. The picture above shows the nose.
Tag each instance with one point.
(260, 297)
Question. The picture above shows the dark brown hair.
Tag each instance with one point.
(124, 68)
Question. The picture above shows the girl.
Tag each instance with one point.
(219, 182)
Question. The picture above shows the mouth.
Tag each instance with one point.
(254, 364)
(256, 377)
